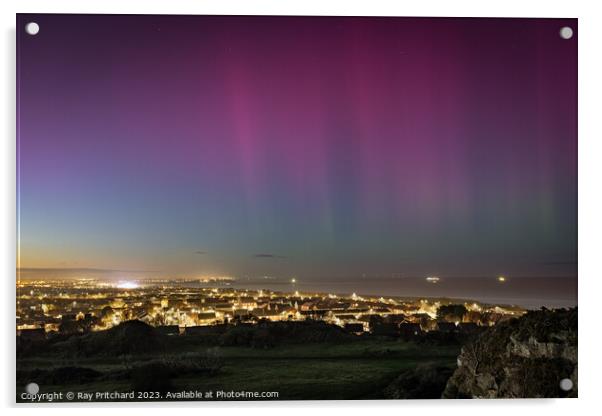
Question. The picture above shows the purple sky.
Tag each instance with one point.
(298, 146)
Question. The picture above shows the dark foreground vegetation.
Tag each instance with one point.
(299, 360)
(309, 360)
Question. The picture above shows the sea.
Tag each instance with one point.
(526, 291)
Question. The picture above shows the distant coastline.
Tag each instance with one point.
(527, 292)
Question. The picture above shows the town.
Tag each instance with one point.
(73, 306)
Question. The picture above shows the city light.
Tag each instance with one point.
(100, 305)
(127, 285)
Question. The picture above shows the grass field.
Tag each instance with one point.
(358, 369)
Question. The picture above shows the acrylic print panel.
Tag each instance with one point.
(285, 208)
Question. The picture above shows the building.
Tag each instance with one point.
(206, 317)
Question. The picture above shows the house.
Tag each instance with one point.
(206, 317)
(240, 313)
(307, 306)
(247, 302)
(223, 307)
(270, 314)
(425, 321)
(315, 313)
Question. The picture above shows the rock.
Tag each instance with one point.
(524, 357)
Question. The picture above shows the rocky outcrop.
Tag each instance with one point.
(521, 358)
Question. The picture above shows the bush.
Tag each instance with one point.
(127, 338)
(544, 325)
(423, 382)
(541, 377)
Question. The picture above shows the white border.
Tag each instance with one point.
(590, 199)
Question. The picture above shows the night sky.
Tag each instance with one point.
(312, 147)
